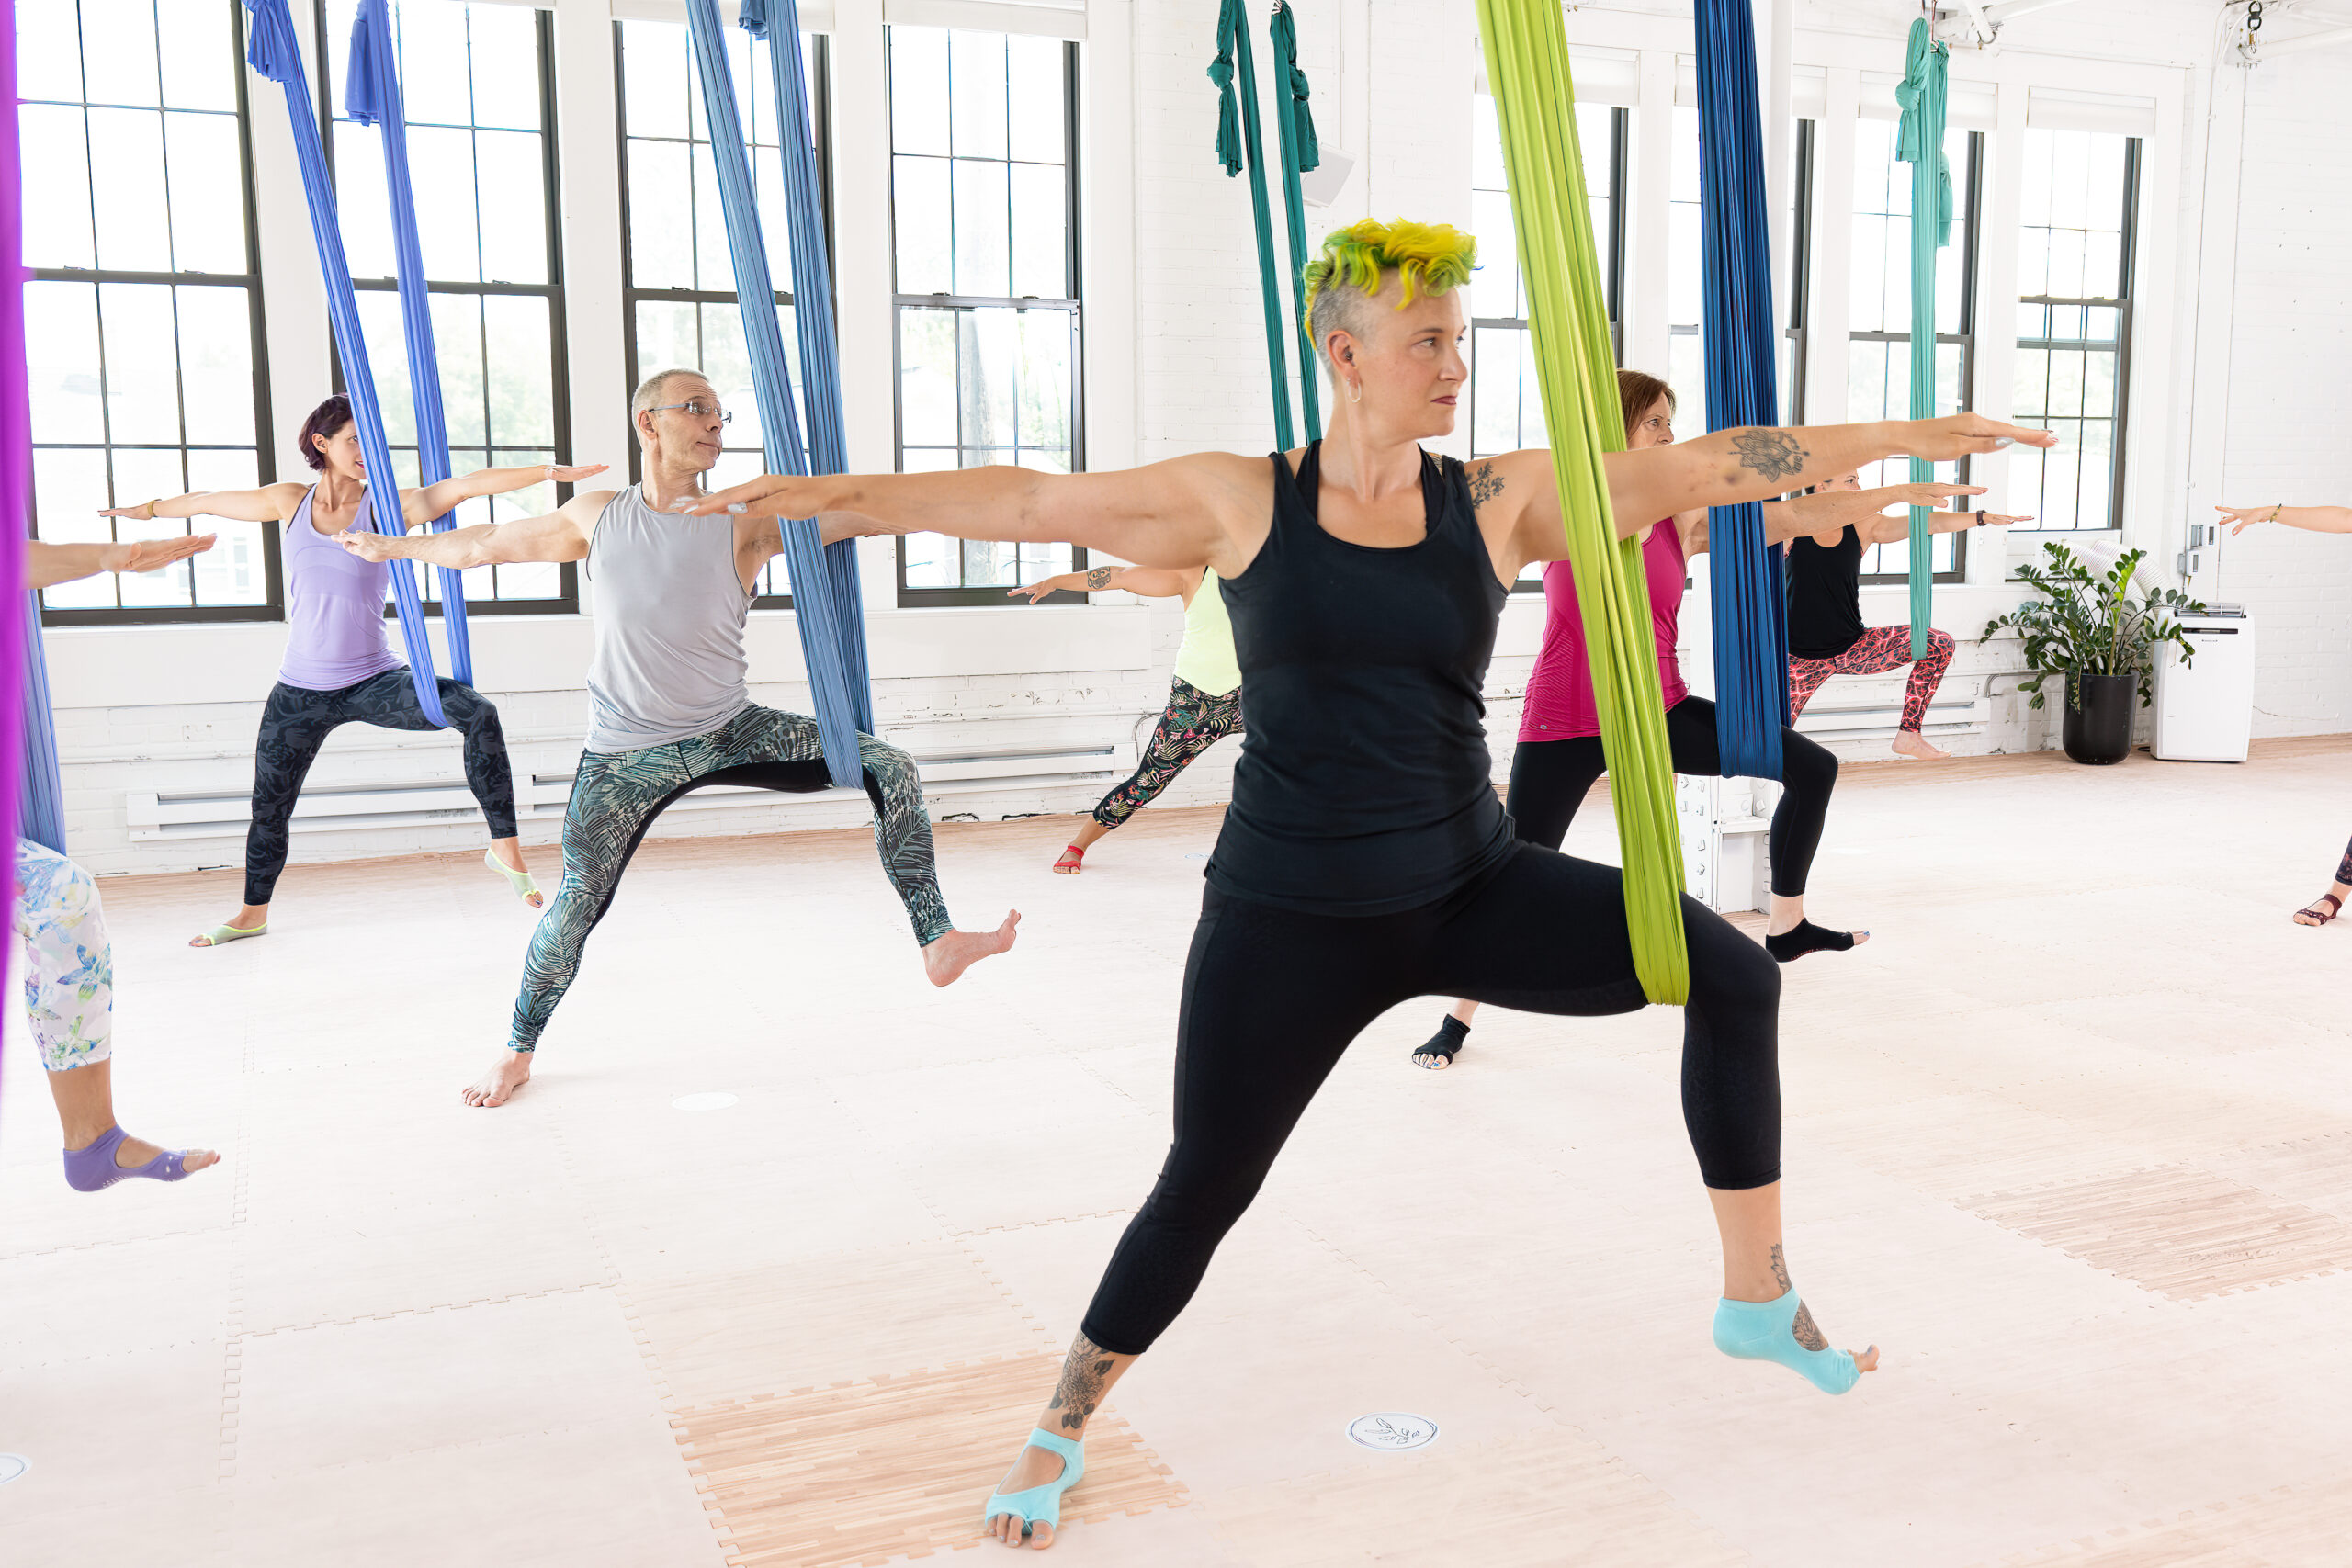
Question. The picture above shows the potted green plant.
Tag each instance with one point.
(2089, 628)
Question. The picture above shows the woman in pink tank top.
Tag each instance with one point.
(1559, 754)
(339, 666)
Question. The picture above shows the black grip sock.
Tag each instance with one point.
(1805, 937)
(1446, 1041)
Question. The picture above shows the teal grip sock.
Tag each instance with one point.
(1764, 1331)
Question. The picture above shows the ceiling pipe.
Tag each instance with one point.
(2265, 49)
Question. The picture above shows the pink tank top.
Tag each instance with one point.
(1559, 704)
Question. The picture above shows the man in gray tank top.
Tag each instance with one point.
(670, 709)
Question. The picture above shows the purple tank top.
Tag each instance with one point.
(334, 604)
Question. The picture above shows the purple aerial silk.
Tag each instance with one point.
(16, 455)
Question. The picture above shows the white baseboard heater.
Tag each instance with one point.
(541, 796)
(1879, 721)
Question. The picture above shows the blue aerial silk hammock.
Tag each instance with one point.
(273, 52)
(1751, 633)
(371, 95)
(825, 599)
(1919, 142)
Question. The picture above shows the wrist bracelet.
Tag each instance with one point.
(2277, 510)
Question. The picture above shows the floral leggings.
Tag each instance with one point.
(69, 963)
(1194, 722)
(1881, 649)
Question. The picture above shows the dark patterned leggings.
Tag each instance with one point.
(1194, 722)
(617, 795)
(1881, 649)
(296, 722)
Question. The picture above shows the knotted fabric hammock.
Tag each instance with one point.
(1920, 143)
(1750, 596)
(1527, 68)
(371, 95)
(272, 50)
(825, 599)
(1236, 147)
(1301, 151)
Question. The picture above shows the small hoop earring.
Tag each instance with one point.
(1356, 391)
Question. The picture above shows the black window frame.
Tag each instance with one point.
(1971, 207)
(1073, 306)
(2124, 304)
(273, 604)
(566, 600)
(820, 92)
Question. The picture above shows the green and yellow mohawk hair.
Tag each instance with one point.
(1434, 258)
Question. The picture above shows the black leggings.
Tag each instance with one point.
(1272, 998)
(296, 722)
(1549, 779)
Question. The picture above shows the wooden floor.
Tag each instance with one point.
(2071, 1140)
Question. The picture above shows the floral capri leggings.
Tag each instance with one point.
(1881, 649)
(69, 963)
(1194, 722)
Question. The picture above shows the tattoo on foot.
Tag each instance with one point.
(1485, 485)
(1099, 578)
(1774, 454)
(1780, 1270)
(1081, 1389)
(1807, 1335)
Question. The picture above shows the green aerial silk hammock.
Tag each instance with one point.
(1527, 68)
(1920, 143)
(1237, 145)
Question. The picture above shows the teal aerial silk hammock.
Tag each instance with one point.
(1750, 597)
(1236, 147)
(824, 580)
(371, 95)
(273, 52)
(1301, 152)
(1920, 143)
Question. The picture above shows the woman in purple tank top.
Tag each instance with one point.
(340, 668)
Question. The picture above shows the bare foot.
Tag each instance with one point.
(945, 958)
(497, 1086)
(1908, 744)
(133, 1152)
(1035, 1467)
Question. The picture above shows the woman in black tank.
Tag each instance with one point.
(1365, 859)
(1826, 636)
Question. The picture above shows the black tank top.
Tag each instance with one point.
(1364, 786)
(1825, 595)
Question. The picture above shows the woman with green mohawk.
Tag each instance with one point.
(1365, 859)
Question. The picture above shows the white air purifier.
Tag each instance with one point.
(2204, 710)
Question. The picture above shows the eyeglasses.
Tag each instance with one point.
(698, 409)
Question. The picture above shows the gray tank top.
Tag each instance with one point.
(670, 615)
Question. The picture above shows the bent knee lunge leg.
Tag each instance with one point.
(489, 773)
(902, 836)
(69, 985)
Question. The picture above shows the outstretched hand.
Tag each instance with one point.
(143, 513)
(572, 474)
(1999, 520)
(366, 543)
(153, 555)
(2238, 519)
(1967, 435)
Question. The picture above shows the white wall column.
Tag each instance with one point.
(1107, 205)
(596, 325)
(864, 267)
(1992, 387)
(294, 302)
(1649, 187)
(1827, 311)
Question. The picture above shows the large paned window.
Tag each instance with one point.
(984, 205)
(1506, 412)
(478, 88)
(1878, 381)
(2074, 253)
(684, 312)
(143, 312)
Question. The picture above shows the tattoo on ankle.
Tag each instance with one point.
(1485, 485)
(1099, 578)
(1807, 1335)
(1774, 454)
(1780, 1270)
(1084, 1372)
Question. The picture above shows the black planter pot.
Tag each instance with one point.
(2099, 732)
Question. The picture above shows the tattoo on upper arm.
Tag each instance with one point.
(1484, 484)
(1099, 578)
(1774, 454)
(1083, 1376)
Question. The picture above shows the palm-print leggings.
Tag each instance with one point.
(617, 795)
(1194, 722)
(69, 963)
(296, 722)
(1881, 649)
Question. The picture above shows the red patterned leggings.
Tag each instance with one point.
(1882, 648)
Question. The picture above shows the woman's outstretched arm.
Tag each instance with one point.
(269, 504)
(1172, 514)
(2312, 519)
(46, 565)
(1732, 466)
(1143, 582)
